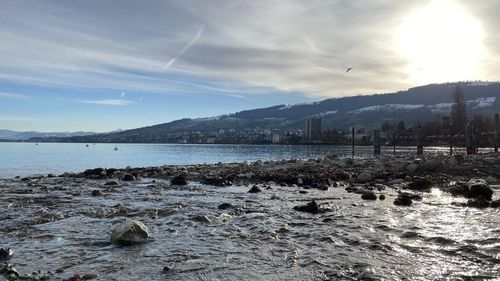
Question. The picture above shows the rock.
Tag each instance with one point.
(5, 254)
(202, 218)
(420, 184)
(381, 197)
(491, 180)
(129, 177)
(254, 189)
(75, 277)
(411, 168)
(131, 232)
(478, 202)
(300, 181)
(9, 272)
(453, 161)
(166, 269)
(97, 172)
(479, 188)
(351, 189)
(495, 204)
(459, 189)
(216, 181)
(368, 195)
(97, 192)
(225, 206)
(51, 176)
(113, 182)
(179, 180)
(396, 181)
(90, 276)
(311, 207)
(364, 177)
(432, 164)
(405, 199)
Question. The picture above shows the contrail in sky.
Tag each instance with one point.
(198, 35)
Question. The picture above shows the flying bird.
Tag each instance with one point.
(349, 69)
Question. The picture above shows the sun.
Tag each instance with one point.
(441, 42)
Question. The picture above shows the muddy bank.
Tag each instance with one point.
(320, 219)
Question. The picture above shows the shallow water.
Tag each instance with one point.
(26, 159)
(264, 240)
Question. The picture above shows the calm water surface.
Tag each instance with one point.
(24, 159)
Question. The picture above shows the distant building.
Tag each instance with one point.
(313, 128)
(211, 139)
(276, 138)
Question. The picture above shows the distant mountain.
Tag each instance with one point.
(15, 135)
(418, 104)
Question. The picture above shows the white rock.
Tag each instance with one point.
(131, 232)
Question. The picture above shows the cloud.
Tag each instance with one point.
(196, 38)
(12, 96)
(239, 47)
(122, 95)
(119, 102)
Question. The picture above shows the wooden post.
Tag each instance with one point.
(420, 142)
(468, 140)
(352, 141)
(394, 142)
(496, 141)
(376, 142)
(451, 139)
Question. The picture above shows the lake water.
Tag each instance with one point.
(24, 159)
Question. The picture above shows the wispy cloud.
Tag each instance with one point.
(241, 47)
(181, 52)
(118, 102)
(12, 96)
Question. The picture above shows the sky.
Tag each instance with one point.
(102, 65)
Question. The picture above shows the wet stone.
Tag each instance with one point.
(420, 184)
(90, 276)
(368, 195)
(254, 189)
(364, 177)
(129, 177)
(202, 218)
(225, 206)
(406, 199)
(479, 202)
(179, 180)
(111, 183)
(8, 271)
(5, 254)
(479, 188)
(495, 204)
(97, 192)
(311, 207)
(132, 232)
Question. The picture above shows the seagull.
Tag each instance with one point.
(349, 69)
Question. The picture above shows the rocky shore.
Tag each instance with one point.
(461, 176)
(473, 182)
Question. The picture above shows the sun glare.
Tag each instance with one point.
(441, 42)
